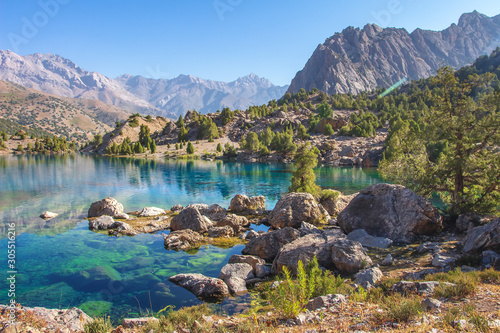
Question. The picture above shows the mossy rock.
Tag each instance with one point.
(96, 308)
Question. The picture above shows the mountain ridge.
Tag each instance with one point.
(356, 60)
(54, 74)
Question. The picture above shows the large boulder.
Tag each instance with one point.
(268, 245)
(151, 211)
(236, 270)
(203, 287)
(303, 249)
(190, 218)
(241, 203)
(213, 212)
(486, 237)
(238, 223)
(391, 211)
(182, 240)
(349, 256)
(108, 206)
(102, 223)
(294, 208)
(253, 261)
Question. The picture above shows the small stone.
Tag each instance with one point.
(431, 303)
(48, 215)
(387, 260)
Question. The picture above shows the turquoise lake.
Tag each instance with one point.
(60, 263)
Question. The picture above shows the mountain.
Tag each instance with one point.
(186, 92)
(358, 60)
(56, 75)
(76, 119)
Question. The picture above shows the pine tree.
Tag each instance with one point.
(153, 147)
(303, 178)
(219, 147)
(190, 148)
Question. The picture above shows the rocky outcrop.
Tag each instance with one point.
(203, 287)
(236, 222)
(48, 215)
(182, 240)
(190, 218)
(241, 203)
(390, 211)
(357, 60)
(102, 223)
(486, 237)
(360, 235)
(268, 245)
(349, 256)
(108, 206)
(151, 211)
(176, 208)
(294, 208)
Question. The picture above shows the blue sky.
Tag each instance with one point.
(211, 39)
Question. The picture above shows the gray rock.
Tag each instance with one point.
(239, 270)
(349, 256)
(138, 322)
(491, 259)
(387, 260)
(443, 259)
(237, 286)
(182, 240)
(370, 275)
(102, 223)
(151, 211)
(390, 211)
(307, 228)
(407, 287)
(176, 208)
(125, 228)
(486, 237)
(467, 221)
(48, 215)
(303, 249)
(428, 247)
(203, 287)
(241, 203)
(261, 271)
(251, 235)
(190, 218)
(294, 208)
(268, 245)
(253, 261)
(360, 235)
(108, 206)
(213, 212)
(225, 231)
(325, 301)
(238, 223)
(431, 303)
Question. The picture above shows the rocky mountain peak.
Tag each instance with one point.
(356, 60)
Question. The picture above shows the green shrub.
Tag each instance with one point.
(465, 283)
(329, 195)
(325, 281)
(401, 309)
(98, 325)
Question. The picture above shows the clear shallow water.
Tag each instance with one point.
(61, 263)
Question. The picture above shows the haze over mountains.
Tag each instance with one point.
(358, 60)
(56, 75)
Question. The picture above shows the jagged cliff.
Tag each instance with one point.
(358, 60)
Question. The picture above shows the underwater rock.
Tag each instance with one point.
(203, 287)
(102, 223)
